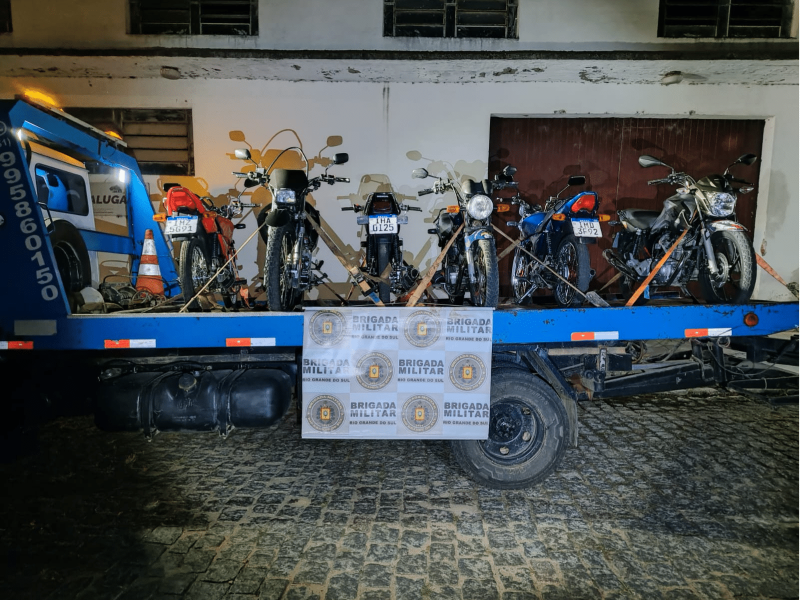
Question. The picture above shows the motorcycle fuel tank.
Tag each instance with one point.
(529, 224)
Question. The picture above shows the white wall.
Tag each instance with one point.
(381, 123)
(345, 24)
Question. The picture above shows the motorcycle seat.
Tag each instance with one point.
(639, 218)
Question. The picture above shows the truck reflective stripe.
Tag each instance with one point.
(16, 345)
(579, 336)
(247, 342)
(130, 344)
(709, 332)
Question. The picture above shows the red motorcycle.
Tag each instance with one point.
(207, 248)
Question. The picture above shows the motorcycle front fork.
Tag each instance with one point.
(711, 257)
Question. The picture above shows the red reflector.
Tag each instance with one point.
(751, 319)
(16, 345)
(117, 343)
(586, 202)
(237, 342)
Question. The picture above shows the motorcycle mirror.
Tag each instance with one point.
(248, 183)
(509, 171)
(419, 173)
(242, 153)
(746, 159)
(333, 141)
(645, 160)
(240, 226)
(576, 180)
(340, 158)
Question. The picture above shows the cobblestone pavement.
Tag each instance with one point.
(691, 495)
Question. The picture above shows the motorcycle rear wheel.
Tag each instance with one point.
(281, 296)
(736, 259)
(487, 276)
(572, 263)
(384, 257)
(193, 269)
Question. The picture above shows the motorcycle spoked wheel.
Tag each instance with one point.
(736, 261)
(522, 269)
(572, 263)
(281, 296)
(487, 276)
(193, 269)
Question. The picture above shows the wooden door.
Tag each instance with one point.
(546, 151)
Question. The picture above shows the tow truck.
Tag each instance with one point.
(150, 371)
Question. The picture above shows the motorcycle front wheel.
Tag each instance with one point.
(572, 263)
(522, 269)
(736, 261)
(193, 269)
(281, 296)
(487, 278)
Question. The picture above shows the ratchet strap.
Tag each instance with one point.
(355, 273)
(656, 269)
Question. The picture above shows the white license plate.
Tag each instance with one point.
(586, 227)
(180, 225)
(387, 224)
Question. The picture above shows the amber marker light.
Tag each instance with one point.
(559, 217)
(503, 208)
(160, 217)
(603, 218)
(751, 319)
(113, 134)
(454, 208)
(41, 97)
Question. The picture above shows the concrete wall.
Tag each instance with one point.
(345, 24)
(381, 123)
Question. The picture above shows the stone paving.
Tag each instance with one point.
(690, 495)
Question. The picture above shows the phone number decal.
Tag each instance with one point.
(23, 209)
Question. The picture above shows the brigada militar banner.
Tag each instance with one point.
(400, 373)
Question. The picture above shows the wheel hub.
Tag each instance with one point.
(723, 270)
(513, 432)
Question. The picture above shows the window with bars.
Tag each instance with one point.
(725, 18)
(450, 18)
(160, 139)
(5, 16)
(194, 17)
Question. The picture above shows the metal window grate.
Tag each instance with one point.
(450, 18)
(194, 17)
(160, 139)
(725, 18)
(5, 16)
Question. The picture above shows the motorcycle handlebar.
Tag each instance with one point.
(416, 208)
(239, 173)
(343, 179)
(344, 208)
(424, 192)
(657, 181)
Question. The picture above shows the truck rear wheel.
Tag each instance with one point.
(528, 433)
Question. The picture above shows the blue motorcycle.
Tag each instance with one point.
(556, 235)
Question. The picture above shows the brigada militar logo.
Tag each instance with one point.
(374, 370)
(325, 413)
(420, 413)
(467, 372)
(422, 328)
(327, 327)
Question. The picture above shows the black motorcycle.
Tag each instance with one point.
(470, 264)
(292, 240)
(714, 249)
(383, 256)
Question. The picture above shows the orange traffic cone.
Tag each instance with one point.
(149, 278)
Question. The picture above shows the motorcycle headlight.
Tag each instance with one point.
(480, 207)
(721, 204)
(284, 196)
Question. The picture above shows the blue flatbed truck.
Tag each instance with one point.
(242, 368)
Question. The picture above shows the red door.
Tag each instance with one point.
(546, 151)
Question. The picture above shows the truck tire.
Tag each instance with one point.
(72, 257)
(487, 275)
(528, 433)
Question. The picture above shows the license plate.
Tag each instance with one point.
(180, 225)
(387, 224)
(586, 227)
